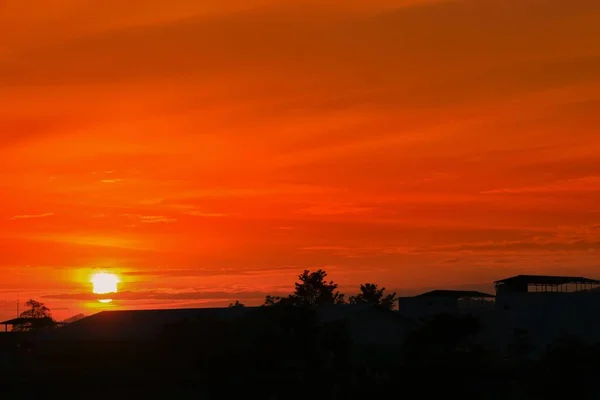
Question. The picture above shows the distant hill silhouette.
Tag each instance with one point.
(74, 318)
(478, 287)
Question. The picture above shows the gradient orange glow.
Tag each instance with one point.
(209, 151)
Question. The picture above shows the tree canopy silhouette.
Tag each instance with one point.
(312, 290)
(38, 317)
(36, 310)
(371, 294)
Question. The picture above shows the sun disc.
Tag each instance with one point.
(105, 283)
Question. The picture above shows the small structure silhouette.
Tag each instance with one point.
(24, 323)
(437, 302)
(544, 283)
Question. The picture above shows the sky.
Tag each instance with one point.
(210, 151)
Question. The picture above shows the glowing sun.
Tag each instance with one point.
(104, 283)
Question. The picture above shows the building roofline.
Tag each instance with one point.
(546, 280)
(456, 294)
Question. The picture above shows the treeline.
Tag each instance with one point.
(313, 289)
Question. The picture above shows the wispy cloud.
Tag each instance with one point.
(335, 209)
(151, 219)
(30, 216)
(584, 184)
(204, 272)
(512, 246)
(155, 219)
(164, 295)
(346, 251)
(197, 213)
(451, 261)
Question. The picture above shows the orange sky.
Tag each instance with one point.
(210, 152)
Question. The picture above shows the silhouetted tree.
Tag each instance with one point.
(371, 294)
(237, 303)
(38, 315)
(312, 290)
(74, 318)
(274, 300)
(35, 309)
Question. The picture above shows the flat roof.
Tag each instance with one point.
(147, 325)
(16, 321)
(546, 280)
(138, 324)
(456, 294)
(23, 320)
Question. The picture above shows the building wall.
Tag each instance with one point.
(552, 314)
(544, 317)
(541, 317)
(424, 307)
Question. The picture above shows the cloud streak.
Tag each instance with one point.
(151, 219)
(31, 216)
(162, 295)
(585, 184)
